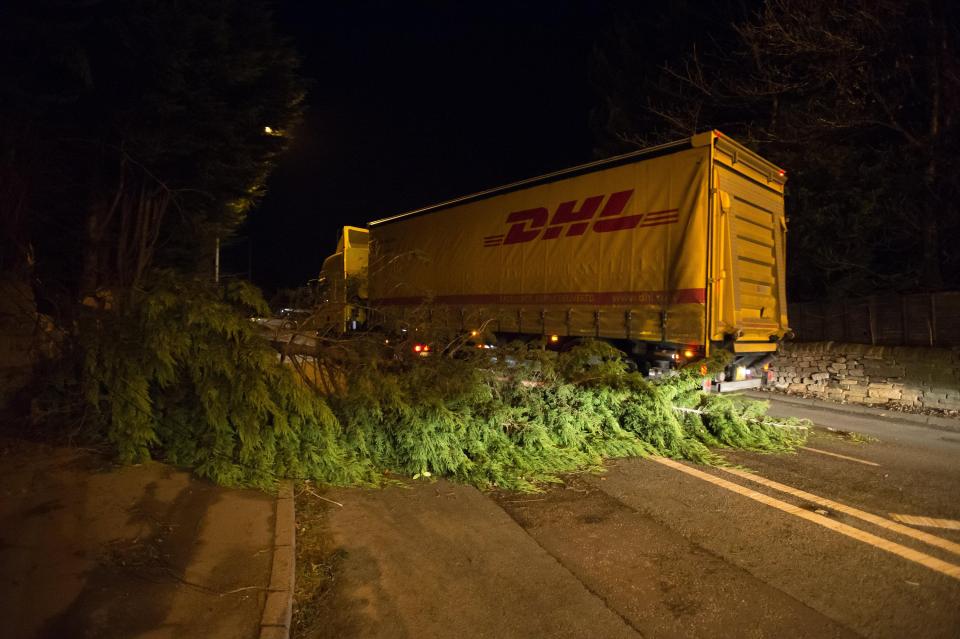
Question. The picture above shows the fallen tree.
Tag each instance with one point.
(181, 374)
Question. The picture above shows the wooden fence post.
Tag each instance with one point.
(932, 323)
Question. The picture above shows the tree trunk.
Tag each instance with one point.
(92, 243)
(931, 275)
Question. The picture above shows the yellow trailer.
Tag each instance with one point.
(675, 249)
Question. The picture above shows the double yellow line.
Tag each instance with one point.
(928, 561)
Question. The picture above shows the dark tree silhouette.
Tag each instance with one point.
(858, 99)
(135, 132)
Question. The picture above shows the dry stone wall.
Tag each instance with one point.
(898, 376)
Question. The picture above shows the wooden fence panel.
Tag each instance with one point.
(946, 318)
(917, 319)
(888, 322)
(834, 324)
(858, 322)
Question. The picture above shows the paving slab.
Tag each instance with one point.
(437, 559)
(88, 549)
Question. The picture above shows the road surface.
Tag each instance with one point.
(858, 534)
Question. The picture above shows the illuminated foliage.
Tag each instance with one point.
(182, 375)
(519, 417)
(185, 378)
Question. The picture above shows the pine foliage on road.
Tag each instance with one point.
(183, 376)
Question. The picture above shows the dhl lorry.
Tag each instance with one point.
(343, 282)
(668, 252)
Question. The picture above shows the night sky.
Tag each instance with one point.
(414, 103)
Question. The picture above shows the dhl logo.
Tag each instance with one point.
(531, 224)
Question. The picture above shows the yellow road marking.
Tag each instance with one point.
(910, 554)
(876, 520)
(929, 522)
(827, 452)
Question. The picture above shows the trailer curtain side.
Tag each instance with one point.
(631, 250)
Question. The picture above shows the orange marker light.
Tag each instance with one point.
(554, 338)
(688, 353)
(417, 348)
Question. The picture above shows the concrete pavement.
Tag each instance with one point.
(88, 549)
(442, 560)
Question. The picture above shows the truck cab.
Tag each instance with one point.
(343, 283)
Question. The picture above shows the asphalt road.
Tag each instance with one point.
(803, 545)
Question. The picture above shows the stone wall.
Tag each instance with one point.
(903, 376)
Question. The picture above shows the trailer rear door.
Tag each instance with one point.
(749, 231)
